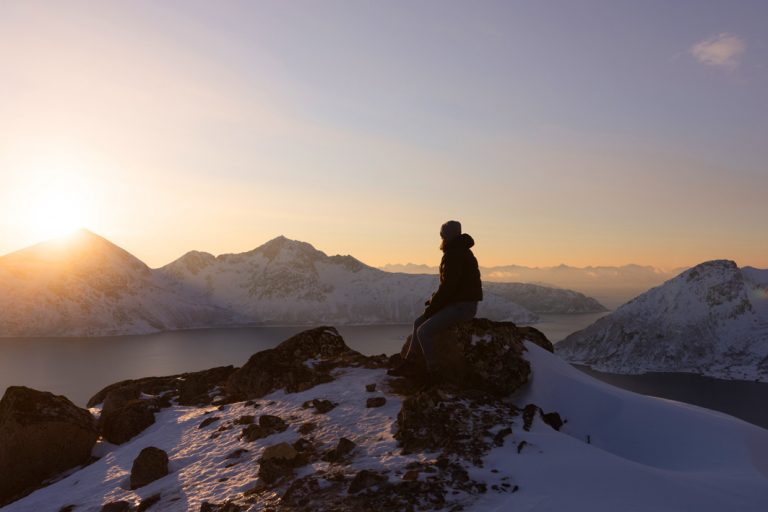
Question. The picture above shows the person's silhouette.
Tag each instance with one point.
(454, 301)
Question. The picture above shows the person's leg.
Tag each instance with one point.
(415, 345)
(427, 332)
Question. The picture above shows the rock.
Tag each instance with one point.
(245, 420)
(277, 462)
(370, 387)
(307, 427)
(194, 388)
(116, 506)
(268, 425)
(321, 406)
(146, 503)
(279, 451)
(284, 366)
(376, 401)
(208, 421)
(41, 435)
(150, 465)
(411, 475)
(274, 423)
(365, 479)
(342, 449)
(451, 420)
(189, 388)
(222, 507)
(485, 355)
(121, 423)
(552, 419)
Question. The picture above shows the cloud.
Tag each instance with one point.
(723, 50)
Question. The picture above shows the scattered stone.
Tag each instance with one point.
(498, 439)
(67, 508)
(553, 419)
(411, 475)
(370, 387)
(307, 427)
(529, 413)
(279, 451)
(274, 423)
(236, 454)
(245, 420)
(278, 462)
(365, 479)
(321, 406)
(376, 401)
(146, 503)
(150, 465)
(41, 435)
(116, 506)
(521, 445)
(208, 421)
(342, 449)
(227, 506)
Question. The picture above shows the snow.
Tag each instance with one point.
(712, 319)
(617, 450)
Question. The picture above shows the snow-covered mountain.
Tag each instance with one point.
(292, 282)
(84, 285)
(712, 319)
(616, 451)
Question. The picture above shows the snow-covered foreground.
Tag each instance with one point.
(618, 451)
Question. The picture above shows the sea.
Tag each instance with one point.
(79, 367)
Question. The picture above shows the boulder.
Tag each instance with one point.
(129, 406)
(150, 465)
(485, 355)
(278, 462)
(41, 435)
(297, 364)
(116, 506)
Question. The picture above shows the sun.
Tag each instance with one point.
(53, 207)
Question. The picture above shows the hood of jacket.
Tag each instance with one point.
(463, 241)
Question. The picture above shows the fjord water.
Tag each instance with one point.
(79, 367)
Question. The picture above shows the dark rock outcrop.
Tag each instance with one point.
(150, 465)
(127, 411)
(116, 506)
(41, 435)
(297, 364)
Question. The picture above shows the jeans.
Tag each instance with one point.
(426, 330)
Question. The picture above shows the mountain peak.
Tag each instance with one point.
(280, 244)
(79, 248)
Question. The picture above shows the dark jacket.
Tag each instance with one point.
(459, 276)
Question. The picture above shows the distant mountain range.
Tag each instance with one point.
(612, 286)
(711, 319)
(83, 285)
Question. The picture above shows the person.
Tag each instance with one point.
(454, 301)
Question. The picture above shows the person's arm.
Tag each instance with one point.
(448, 286)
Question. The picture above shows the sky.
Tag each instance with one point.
(585, 133)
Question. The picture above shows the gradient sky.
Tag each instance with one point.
(585, 133)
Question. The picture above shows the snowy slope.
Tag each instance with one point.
(286, 281)
(85, 285)
(711, 319)
(617, 451)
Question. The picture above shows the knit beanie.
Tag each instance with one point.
(450, 230)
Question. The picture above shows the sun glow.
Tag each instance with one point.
(53, 205)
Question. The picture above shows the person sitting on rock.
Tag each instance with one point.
(454, 301)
